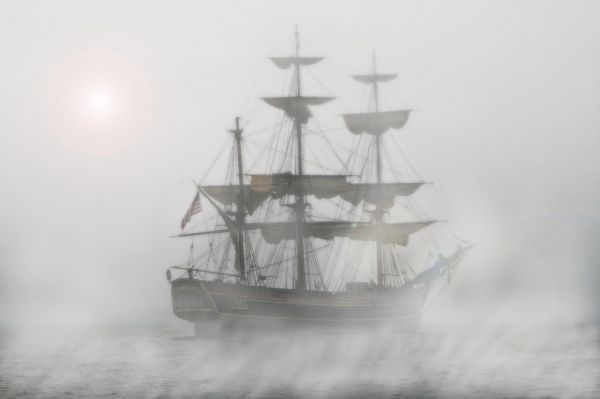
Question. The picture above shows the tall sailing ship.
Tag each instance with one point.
(288, 247)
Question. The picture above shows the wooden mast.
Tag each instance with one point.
(378, 211)
(240, 215)
(299, 194)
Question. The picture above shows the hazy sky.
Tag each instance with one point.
(507, 96)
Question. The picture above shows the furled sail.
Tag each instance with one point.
(382, 194)
(296, 107)
(282, 184)
(228, 195)
(367, 79)
(393, 233)
(286, 62)
(329, 186)
(375, 122)
(275, 186)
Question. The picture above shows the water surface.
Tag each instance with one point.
(150, 362)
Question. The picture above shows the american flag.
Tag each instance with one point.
(195, 207)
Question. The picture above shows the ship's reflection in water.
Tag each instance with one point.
(506, 361)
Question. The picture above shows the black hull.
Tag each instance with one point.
(218, 307)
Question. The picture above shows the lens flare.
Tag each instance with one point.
(99, 102)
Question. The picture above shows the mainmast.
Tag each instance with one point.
(240, 215)
(299, 191)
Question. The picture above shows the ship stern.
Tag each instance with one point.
(190, 300)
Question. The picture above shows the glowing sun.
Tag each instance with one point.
(99, 102)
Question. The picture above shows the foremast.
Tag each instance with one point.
(376, 123)
(378, 210)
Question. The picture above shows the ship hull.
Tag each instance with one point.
(216, 306)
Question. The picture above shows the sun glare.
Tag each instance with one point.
(99, 102)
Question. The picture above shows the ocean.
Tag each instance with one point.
(506, 361)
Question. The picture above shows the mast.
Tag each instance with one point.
(299, 194)
(271, 186)
(296, 106)
(240, 215)
(376, 123)
(378, 211)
